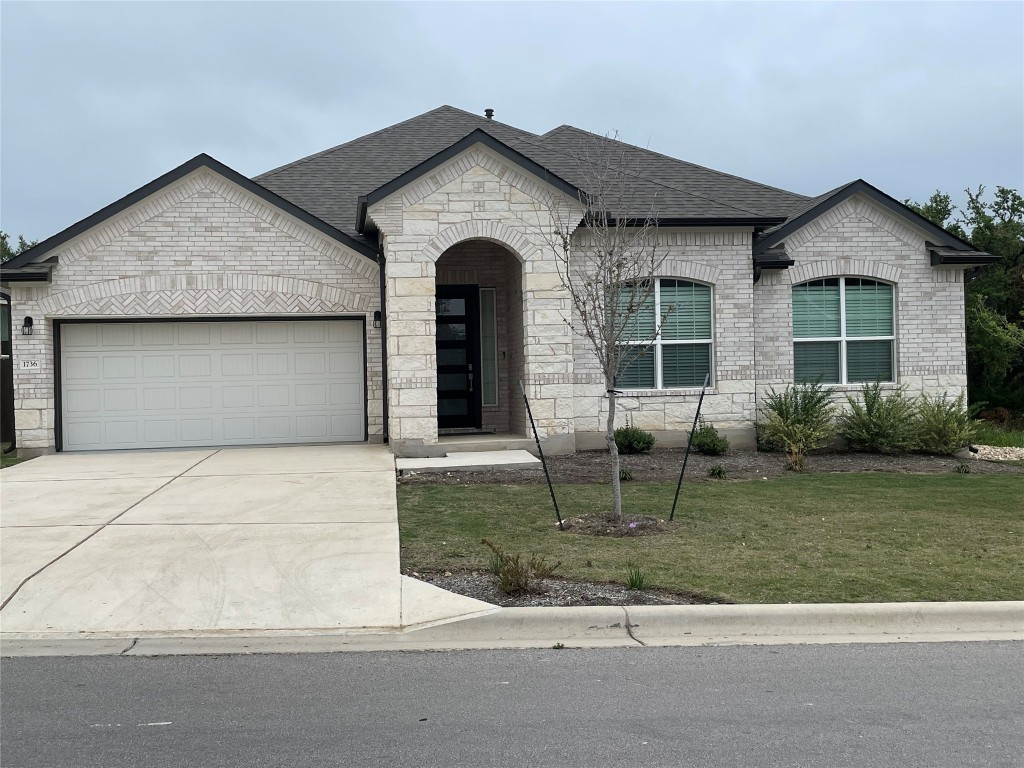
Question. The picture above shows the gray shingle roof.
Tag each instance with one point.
(329, 183)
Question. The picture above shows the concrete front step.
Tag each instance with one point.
(472, 461)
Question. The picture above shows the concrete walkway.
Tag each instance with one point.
(296, 538)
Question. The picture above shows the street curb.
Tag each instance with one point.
(581, 627)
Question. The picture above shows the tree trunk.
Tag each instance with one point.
(613, 449)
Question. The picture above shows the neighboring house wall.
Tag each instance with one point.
(477, 196)
(201, 247)
(721, 259)
(859, 239)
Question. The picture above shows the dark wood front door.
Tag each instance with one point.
(458, 357)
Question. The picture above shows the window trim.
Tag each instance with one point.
(494, 322)
(843, 338)
(658, 343)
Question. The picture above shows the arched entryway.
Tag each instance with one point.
(480, 340)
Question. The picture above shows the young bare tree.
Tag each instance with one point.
(609, 265)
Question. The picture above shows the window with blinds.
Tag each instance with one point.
(668, 343)
(844, 331)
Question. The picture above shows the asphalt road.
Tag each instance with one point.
(832, 706)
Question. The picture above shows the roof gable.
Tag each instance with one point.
(820, 205)
(35, 254)
(478, 136)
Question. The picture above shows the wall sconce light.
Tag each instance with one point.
(376, 318)
(26, 326)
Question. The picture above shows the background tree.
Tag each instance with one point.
(994, 294)
(7, 251)
(608, 263)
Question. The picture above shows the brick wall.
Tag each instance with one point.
(721, 259)
(859, 239)
(202, 246)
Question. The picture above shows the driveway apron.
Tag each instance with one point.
(282, 538)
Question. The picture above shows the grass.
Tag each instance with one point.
(987, 433)
(10, 459)
(816, 538)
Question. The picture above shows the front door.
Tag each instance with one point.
(458, 357)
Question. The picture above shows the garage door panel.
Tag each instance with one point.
(192, 334)
(272, 395)
(239, 396)
(194, 366)
(121, 432)
(236, 333)
(312, 333)
(156, 335)
(274, 334)
(76, 336)
(158, 366)
(119, 367)
(119, 399)
(195, 398)
(237, 365)
(117, 335)
(201, 384)
(196, 430)
(310, 394)
(160, 432)
(272, 364)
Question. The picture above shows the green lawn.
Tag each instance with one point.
(812, 538)
(987, 433)
(9, 459)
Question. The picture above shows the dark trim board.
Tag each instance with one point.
(478, 136)
(197, 162)
(872, 193)
(58, 427)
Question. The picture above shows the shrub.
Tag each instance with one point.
(635, 577)
(706, 440)
(516, 577)
(943, 426)
(717, 472)
(882, 423)
(963, 468)
(625, 474)
(633, 440)
(798, 420)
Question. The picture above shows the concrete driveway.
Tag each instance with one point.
(283, 538)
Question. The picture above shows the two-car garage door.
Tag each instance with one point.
(184, 384)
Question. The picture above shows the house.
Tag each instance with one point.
(398, 287)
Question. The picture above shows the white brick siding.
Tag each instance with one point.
(202, 246)
(858, 238)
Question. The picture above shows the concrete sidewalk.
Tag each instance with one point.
(594, 627)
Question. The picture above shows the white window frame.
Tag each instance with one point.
(843, 338)
(658, 343)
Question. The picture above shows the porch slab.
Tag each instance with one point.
(469, 462)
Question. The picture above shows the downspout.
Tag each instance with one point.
(6, 298)
(381, 265)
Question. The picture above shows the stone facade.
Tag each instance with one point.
(200, 247)
(476, 196)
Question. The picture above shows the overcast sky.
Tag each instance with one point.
(98, 99)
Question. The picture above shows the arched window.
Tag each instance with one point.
(679, 353)
(844, 331)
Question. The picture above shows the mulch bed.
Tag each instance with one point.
(662, 465)
(601, 524)
(554, 592)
